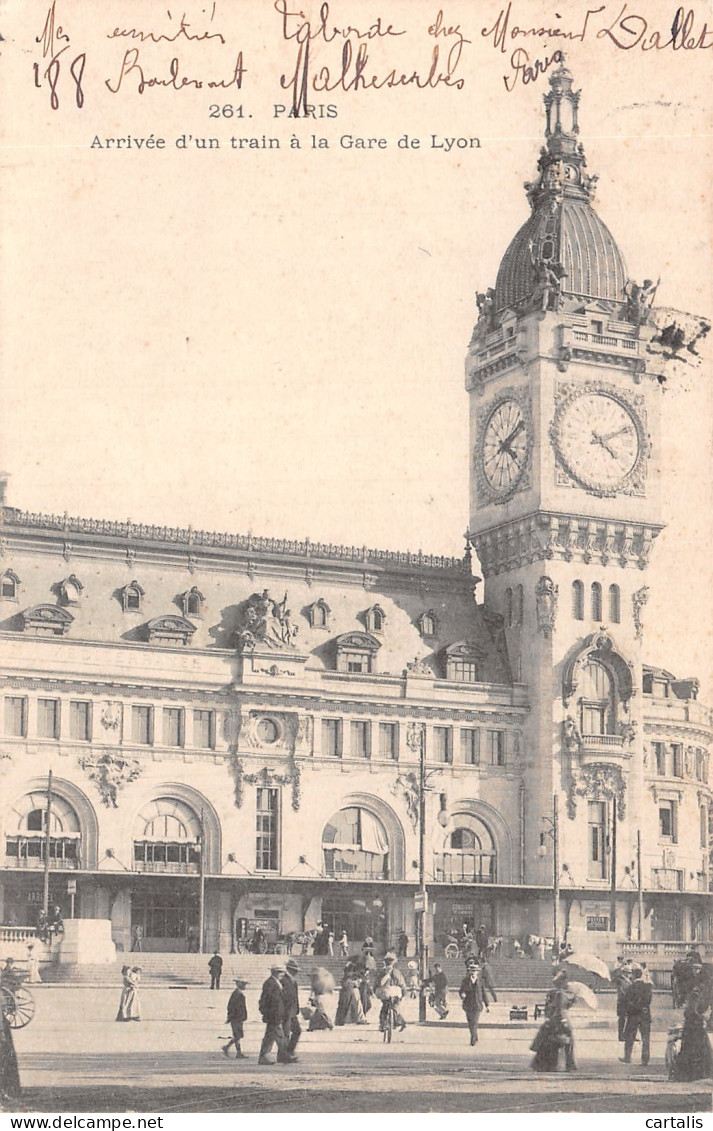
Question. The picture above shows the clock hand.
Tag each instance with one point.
(601, 440)
(504, 444)
(625, 431)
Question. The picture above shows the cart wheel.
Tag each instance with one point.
(451, 950)
(262, 946)
(19, 1008)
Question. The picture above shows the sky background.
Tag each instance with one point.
(273, 341)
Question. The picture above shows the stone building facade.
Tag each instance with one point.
(237, 728)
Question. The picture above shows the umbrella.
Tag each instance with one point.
(588, 962)
(322, 981)
(583, 993)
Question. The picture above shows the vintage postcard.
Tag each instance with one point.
(355, 558)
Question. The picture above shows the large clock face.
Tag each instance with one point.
(598, 440)
(506, 443)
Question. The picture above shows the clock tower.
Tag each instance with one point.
(564, 507)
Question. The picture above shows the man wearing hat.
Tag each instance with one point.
(272, 1011)
(237, 1013)
(472, 996)
(389, 976)
(291, 1023)
(637, 1015)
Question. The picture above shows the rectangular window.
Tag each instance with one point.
(442, 744)
(388, 741)
(142, 725)
(266, 829)
(495, 747)
(594, 720)
(597, 840)
(360, 739)
(469, 747)
(355, 661)
(80, 720)
(660, 758)
(16, 715)
(332, 738)
(173, 726)
(204, 730)
(463, 671)
(48, 718)
(667, 821)
(704, 826)
(677, 751)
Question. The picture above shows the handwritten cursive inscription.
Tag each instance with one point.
(55, 41)
(630, 30)
(351, 73)
(131, 65)
(183, 31)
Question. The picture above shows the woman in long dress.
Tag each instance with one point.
(695, 1058)
(349, 1007)
(129, 1003)
(33, 964)
(555, 1034)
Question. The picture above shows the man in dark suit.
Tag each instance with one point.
(272, 1011)
(291, 1023)
(636, 1002)
(215, 967)
(472, 997)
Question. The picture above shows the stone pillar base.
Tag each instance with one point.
(86, 941)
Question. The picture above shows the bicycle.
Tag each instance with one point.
(388, 1029)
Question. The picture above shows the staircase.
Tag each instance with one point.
(192, 969)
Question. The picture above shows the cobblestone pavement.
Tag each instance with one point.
(75, 1057)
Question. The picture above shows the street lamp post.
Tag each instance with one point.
(554, 832)
(422, 898)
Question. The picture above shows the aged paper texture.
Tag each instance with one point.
(316, 647)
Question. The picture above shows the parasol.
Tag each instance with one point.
(588, 962)
(322, 981)
(583, 993)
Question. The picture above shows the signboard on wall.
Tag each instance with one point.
(597, 923)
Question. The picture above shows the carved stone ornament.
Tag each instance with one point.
(571, 737)
(266, 624)
(597, 781)
(638, 600)
(47, 620)
(110, 717)
(415, 737)
(418, 667)
(110, 773)
(546, 595)
(602, 647)
(266, 778)
(407, 786)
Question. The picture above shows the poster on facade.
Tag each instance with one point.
(355, 556)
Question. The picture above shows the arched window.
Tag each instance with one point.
(614, 604)
(508, 608)
(192, 602)
(70, 590)
(355, 844)
(375, 619)
(25, 845)
(596, 601)
(577, 600)
(318, 614)
(167, 837)
(598, 699)
(468, 854)
(9, 586)
(427, 623)
(131, 597)
(519, 605)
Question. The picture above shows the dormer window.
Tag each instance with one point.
(318, 614)
(428, 623)
(70, 590)
(170, 630)
(463, 661)
(47, 620)
(132, 596)
(192, 602)
(375, 618)
(356, 653)
(9, 586)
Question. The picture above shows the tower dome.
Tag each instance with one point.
(563, 247)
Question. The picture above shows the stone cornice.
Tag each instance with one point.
(546, 536)
(678, 730)
(195, 549)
